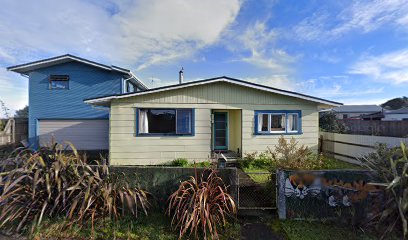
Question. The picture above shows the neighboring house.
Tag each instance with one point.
(396, 115)
(57, 88)
(195, 119)
(353, 111)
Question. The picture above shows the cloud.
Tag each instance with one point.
(257, 46)
(336, 86)
(276, 81)
(362, 16)
(389, 67)
(11, 84)
(135, 33)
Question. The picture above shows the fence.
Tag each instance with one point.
(376, 127)
(349, 147)
(256, 190)
(16, 130)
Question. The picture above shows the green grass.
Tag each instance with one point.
(155, 226)
(322, 231)
(331, 163)
(259, 178)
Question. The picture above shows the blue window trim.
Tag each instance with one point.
(299, 112)
(166, 134)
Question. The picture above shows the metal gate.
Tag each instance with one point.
(256, 190)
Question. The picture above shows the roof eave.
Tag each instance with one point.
(322, 102)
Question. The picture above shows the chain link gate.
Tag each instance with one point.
(256, 190)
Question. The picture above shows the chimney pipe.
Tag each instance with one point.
(181, 75)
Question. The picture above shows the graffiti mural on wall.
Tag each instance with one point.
(328, 194)
(339, 192)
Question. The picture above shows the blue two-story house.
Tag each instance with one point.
(57, 89)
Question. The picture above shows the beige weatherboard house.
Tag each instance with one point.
(194, 120)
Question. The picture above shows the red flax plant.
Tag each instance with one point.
(52, 183)
(201, 204)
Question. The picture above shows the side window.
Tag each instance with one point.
(59, 82)
(278, 122)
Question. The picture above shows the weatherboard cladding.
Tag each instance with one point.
(85, 81)
(128, 149)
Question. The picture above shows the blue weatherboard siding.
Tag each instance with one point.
(84, 82)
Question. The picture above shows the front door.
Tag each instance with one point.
(220, 131)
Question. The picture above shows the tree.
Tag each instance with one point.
(329, 123)
(4, 109)
(395, 103)
(22, 113)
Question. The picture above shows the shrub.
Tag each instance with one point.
(201, 204)
(53, 183)
(328, 122)
(391, 165)
(179, 162)
(204, 164)
(288, 154)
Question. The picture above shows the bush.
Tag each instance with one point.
(328, 122)
(391, 165)
(179, 162)
(53, 183)
(201, 204)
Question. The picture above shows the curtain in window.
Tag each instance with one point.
(143, 121)
(290, 122)
(260, 122)
(283, 122)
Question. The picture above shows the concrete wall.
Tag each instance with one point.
(128, 149)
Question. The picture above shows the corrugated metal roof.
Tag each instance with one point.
(357, 109)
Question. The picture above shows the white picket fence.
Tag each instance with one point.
(348, 147)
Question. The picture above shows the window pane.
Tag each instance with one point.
(59, 84)
(263, 120)
(293, 122)
(184, 121)
(161, 120)
(278, 122)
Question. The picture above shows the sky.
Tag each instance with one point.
(354, 52)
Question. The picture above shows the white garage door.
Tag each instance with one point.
(84, 134)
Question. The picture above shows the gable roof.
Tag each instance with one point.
(105, 99)
(27, 67)
(403, 110)
(357, 109)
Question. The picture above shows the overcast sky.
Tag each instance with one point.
(349, 51)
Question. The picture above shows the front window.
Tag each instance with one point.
(165, 121)
(59, 82)
(276, 122)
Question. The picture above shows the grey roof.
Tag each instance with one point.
(403, 110)
(27, 67)
(357, 109)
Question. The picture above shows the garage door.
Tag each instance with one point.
(84, 134)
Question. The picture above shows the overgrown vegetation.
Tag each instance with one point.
(328, 123)
(391, 165)
(201, 205)
(52, 183)
(289, 154)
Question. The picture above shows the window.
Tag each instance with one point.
(131, 87)
(59, 82)
(165, 121)
(277, 122)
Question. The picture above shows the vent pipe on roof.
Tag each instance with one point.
(181, 75)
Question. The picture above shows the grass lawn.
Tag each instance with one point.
(322, 231)
(154, 226)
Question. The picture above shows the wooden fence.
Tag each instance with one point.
(349, 147)
(376, 127)
(16, 130)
